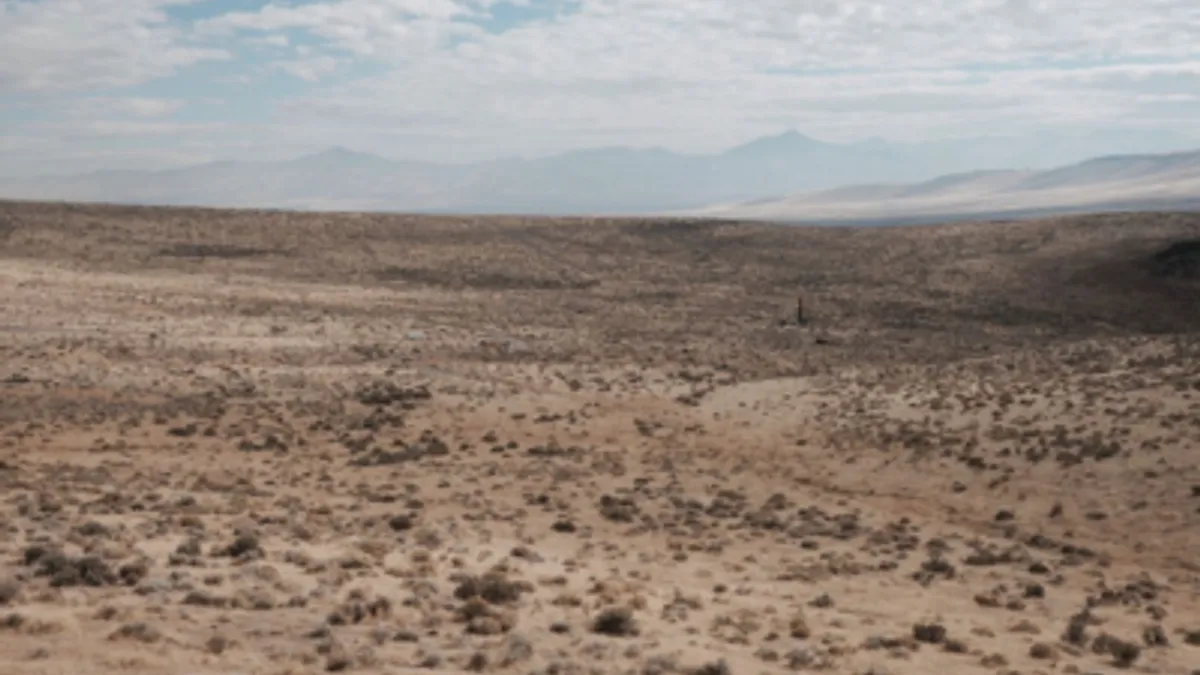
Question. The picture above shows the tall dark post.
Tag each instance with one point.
(799, 309)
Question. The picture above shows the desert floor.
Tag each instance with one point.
(255, 442)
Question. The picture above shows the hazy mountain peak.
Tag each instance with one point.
(792, 136)
(342, 155)
(788, 143)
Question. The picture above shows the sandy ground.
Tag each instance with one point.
(379, 444)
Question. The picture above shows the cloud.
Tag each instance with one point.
(91, 107)
(275, 40)
(475, 78)
(386, 29)
(110, 128)
(619, 63)
(72, 45)
(310, 68)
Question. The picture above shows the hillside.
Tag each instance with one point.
(278, 442)
(1115, 183)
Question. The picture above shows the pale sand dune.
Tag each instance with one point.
(376, 444)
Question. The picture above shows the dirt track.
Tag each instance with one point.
(247, 442)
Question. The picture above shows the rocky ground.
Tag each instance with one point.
(252, 442)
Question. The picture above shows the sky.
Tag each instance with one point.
(89, 84)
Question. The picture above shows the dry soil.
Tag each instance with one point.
(259, 442)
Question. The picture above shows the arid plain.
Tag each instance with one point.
(260, 442)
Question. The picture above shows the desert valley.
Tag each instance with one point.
(271, 442)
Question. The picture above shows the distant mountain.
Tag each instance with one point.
(597, 181)
(1114, 183)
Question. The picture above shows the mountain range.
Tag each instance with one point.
(614, 180)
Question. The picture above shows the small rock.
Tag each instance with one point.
(140, 632)
(10, 589)
(798, 627)
(799, 659)
(719, 667)
(1155, 636)
(822, 601)
(217, 644)
(526, 553)
(517, 649)
(243, 546)
(1042, 651)
(767, 654)
(953, 646)
(931, 633)
(254, 599)
(405, 635)
(615, 622)
(337, 659)
(401, 523)
(1124, 653)
(485, 625)
(994, 661)
(478, 662)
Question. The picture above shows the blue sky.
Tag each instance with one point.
(86, 84)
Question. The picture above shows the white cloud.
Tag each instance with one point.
(369, 28)
(278, 40)
(690, 74)
(636, 62)
(91, 107)
(71, 45)
(110, 128)
(310, 68)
